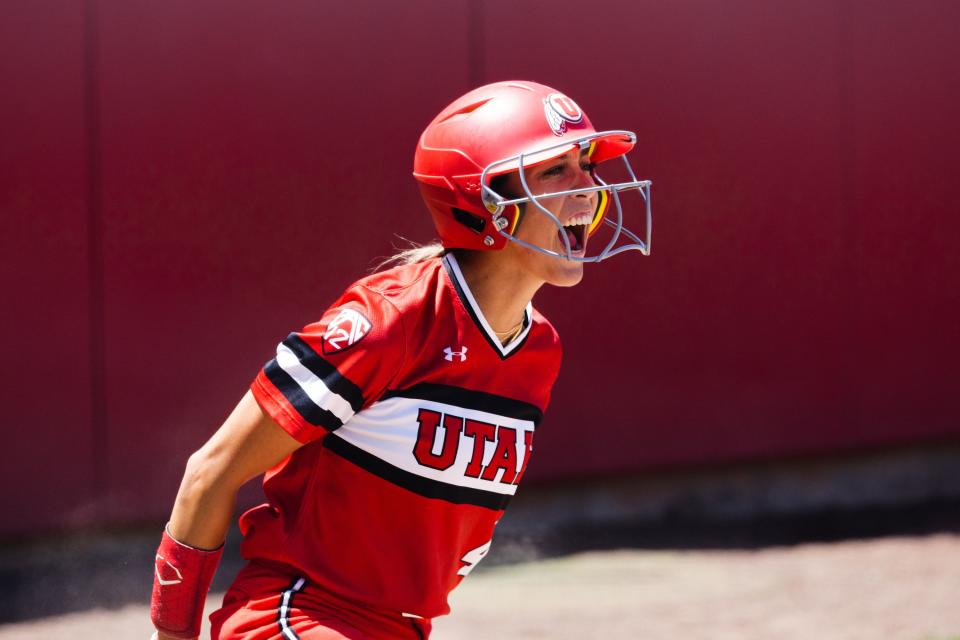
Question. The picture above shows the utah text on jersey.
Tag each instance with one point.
(468, 447)
(439, 441)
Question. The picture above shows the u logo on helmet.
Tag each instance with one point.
(560, 110)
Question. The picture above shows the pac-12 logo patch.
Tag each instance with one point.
(560, 110)
(345, 330)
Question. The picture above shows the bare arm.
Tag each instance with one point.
(247, 444)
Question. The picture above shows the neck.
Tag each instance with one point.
(501, 296)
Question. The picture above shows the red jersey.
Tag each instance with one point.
(418, 426)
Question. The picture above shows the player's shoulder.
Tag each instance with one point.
(404, 286)
(372, 308)
(545, 340)
(544, 327)
(386, 302)
(399, 278)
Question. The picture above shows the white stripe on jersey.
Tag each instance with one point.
(389, 429)
(313, 386)
(284, 617)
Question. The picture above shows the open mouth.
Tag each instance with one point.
(576, 234)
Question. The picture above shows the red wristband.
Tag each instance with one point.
(181, 579)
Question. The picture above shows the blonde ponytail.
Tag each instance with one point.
(411, 255)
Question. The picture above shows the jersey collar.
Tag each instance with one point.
(473, 309)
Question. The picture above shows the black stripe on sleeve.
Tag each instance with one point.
(417, 484)
(297, 397)
(334, 380)
(468, 399)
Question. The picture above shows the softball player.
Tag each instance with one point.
(394, 430)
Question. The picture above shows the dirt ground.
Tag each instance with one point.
(891, 588)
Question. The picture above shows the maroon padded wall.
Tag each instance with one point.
(255, 159)
(183, 184)
(45, 269)
(802, 294)
(903, 252)
(736, 325)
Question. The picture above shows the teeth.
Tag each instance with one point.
(579, 219)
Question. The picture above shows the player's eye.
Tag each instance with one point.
(554, 170)
(588, 166)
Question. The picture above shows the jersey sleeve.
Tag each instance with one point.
(331, 369)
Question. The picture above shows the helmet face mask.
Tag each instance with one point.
(510, 127)
(497, 203)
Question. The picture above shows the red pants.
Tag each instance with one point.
(264, 604)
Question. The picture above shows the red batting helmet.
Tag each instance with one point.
(505, 127)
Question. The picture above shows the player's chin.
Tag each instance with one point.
(566, 273)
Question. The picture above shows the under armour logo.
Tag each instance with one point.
(169, 579)
(448, 354)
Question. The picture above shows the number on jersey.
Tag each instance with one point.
(472, 557)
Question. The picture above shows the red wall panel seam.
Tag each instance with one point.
(98, 418)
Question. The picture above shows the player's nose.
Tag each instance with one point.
(584, 180)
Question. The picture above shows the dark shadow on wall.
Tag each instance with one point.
(679, 532)
(83, 571)
(110, 569)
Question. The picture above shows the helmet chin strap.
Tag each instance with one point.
(518, 217)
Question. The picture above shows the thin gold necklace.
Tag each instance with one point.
(508, 335)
